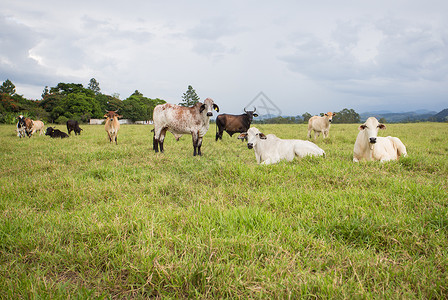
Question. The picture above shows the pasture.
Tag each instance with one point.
(80, 217)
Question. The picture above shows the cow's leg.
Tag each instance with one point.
(195, 137)
(116, 139)
(161, 139)
(199, 145)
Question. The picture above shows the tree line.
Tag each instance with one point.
(74, 101)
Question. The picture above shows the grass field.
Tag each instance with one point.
(80, 217)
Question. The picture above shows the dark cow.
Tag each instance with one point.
(55, 133)
(73, 125)
(234, 123)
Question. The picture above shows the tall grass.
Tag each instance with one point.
(80, 217)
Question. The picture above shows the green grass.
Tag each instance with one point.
(80, 217)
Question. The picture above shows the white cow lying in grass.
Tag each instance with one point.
(270, 149)
(369, 146)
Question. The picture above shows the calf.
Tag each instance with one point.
(234, 123)
(73, 125)
(271, 149)
(369, 146)
(112, 125)
(180, 120)
(28, 126)
(21, 126)
(320, 124)
(55, 133)
(37, 126)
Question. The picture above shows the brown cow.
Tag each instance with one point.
(182, 120)
(112, 125)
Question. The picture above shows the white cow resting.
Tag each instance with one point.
(369, 146)
(270, 149)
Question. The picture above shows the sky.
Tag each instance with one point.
(290, 56)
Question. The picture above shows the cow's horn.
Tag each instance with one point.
(255, 108)
(245, 110)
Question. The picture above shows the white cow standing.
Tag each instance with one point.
(270, 149)
(369, 146)
(320, 124)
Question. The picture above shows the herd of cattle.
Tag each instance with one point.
(195, 120)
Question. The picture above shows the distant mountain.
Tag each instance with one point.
(395, 117)
(440, 116)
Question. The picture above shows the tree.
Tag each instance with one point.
(8, 87)
(306, 116)
(347, 116)
(94, 86)
(190, 97)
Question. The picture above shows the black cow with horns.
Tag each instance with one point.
(234, 123)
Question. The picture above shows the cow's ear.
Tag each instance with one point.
(362, 127)
(202, 108)
(242, 136)
(326, 115)
(216, 107)
(255, 115)
(381, 126)
(262, 136)
(334, 114)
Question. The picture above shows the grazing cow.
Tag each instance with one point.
(182, 120)
(37, 126)
(234, 123)
(21, 126)
(271, 149)
(55, 133)
(320, 124)
(28, 126)
(369, 146)
(112, 125)
(73, 125)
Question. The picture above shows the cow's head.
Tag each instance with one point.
(49, 131)
(330, 116)
(21, 123)
(251, 113)
(209, 106)
(371, 127)
(253, 135)
(110, 114)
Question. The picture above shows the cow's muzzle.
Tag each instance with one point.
(372, 140)
(330, 120)
(250, 145)
(209, 114)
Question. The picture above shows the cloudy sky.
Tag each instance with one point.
(304, 56)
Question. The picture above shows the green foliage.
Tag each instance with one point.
(137, 107)
(94, 86)
(8, 87)
(61, 120)
(189, 98)
(347, 116)
(306, 117)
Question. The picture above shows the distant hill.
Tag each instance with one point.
(410, 116)
(440, 116)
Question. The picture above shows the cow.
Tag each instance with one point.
(112, 125)
(270, 149)
(55, 133)
(73, 125)
(37, 126)
(320, 124)
(21, 126)
(234, 123)
(369, 146)
(28, 126)
(180, 120)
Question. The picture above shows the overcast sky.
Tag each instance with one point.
(304, 56)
